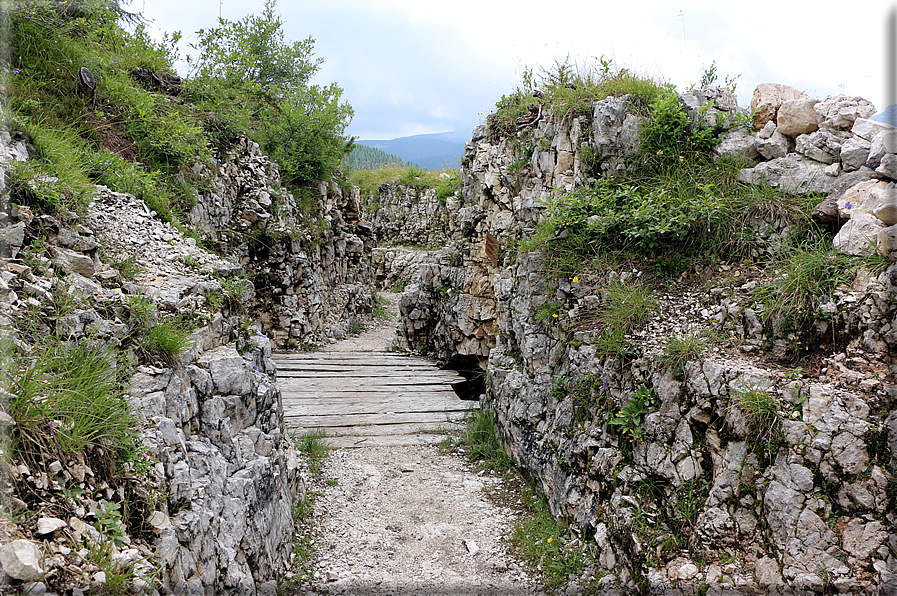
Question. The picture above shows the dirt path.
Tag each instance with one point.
(409, 520)
(379, 335)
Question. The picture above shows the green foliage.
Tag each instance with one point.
(546, 544)
(369, 181)
(483, 443)
(66, 397)
(251, 77)
(448, 186)
(627, 421)
(806, 273)
(669, 133)
(315, 449)
(76, 132)
(371, 158)
(567, 88)
(109, 522)
(153, 338)
(625, 306)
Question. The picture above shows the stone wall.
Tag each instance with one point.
(308, 258)
(810, 513)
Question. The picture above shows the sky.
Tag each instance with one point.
(430, 66)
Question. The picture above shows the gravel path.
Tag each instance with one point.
(409, 520)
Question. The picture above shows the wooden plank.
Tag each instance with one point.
(389, 429)
(427, 377)
(363, 408)
(375, 398)
(384, 441)
(316, 421)
(421, 395)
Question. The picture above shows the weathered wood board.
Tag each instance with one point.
(369, 398)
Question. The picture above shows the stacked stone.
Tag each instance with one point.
(830, 147)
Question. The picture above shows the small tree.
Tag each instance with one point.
(247, 73)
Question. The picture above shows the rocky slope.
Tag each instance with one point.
(689, 499)
(211, 510)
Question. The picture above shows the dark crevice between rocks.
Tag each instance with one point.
(469, 367)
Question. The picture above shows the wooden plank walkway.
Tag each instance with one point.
(369, 398)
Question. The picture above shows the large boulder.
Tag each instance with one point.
(797, 117)
(768, 98)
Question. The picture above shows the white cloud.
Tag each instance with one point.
(431, 64)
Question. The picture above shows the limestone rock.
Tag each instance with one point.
(71, 261)
(767, 99)
(21, 560)
(797, 117)
(821, 146)
(888, 166)
(869, 129)
(48, 525)
(854, 153)
(772, 144)
(874, 197)
(887, 242)
(792, 173)
(840, 112)
(720, 112)
(862, 539)
(767, 571)
(859, 236)
(737, 143)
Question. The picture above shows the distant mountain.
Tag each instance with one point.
(438, 151)
(888, 115)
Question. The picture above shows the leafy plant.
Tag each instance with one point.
(628, 420)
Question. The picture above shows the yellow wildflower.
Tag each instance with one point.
(575, 279)
(550, 539)
(555, 315)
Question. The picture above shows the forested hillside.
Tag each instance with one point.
(369, 158)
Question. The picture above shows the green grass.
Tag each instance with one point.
(679, 350)
(546, 544)
(65, 398)
(315, 449)
(625, 306)
(567, 87)
(762, 415)
(805, 274)
(483, 445)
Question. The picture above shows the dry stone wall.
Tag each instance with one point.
(806, 511)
